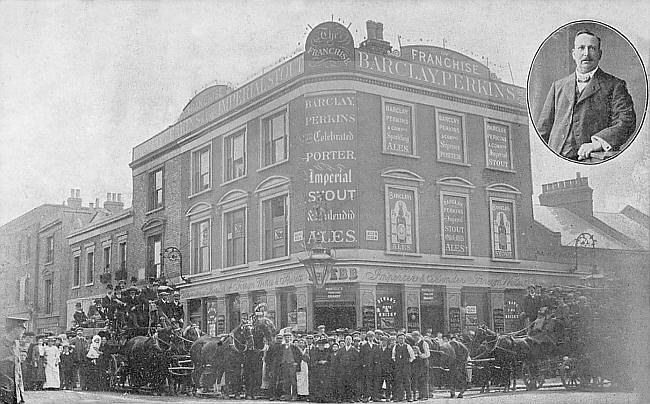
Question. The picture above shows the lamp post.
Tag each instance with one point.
(584, 240)
(173, 254)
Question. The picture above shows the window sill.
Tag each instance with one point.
(505, 170)
(234, 268)
(274, 260)
(76, 287)
(460, 257)
(224, 183)
(272, 165)
(154, 210)
(205, 191)
(89, 284)
(456, 163)
(49, 263)
(513, 260)
(200, 275)
(406, 254)
(411, 156)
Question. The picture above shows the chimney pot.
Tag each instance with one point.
(108, 196)
(97, 202)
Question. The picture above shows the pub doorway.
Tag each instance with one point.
(335, 317)
(433, 318)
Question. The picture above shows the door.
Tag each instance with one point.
(335, 317)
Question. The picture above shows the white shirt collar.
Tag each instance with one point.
(583, 76)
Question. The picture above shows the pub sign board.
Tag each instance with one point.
(329, 46)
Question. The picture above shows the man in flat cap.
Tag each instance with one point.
(11, 375)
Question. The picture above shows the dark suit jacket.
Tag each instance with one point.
(370, 356)
(603, 109)
(348, 360)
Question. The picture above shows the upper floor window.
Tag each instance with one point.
(107, 259)
(498, 146)
(90, 268)
(121, 251)
(49, 249)
(201, 170)
(154, 260)
(235, 237)
(201, 246)
(49, 296)
(398, 128)
(76, 270)
(156, 189)
(451, 136)
(234, 155)
(274, 132)
(275, 226)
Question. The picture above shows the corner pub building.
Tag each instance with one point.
(414, 166)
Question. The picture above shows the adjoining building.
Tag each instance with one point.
(99, 256)
(413, 165)
(33, 258)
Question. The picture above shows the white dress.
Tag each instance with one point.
(302, 377)
(52, 357)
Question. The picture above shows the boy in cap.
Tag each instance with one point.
(79, 315)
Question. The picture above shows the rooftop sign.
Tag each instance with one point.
(445, 59)
(329, 46)
(440, 79)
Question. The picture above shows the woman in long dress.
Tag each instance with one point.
(302, 377)
(38, 363)
(52, 359)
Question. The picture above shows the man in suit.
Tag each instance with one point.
(588, 111)
(348, 361)
(370, 354)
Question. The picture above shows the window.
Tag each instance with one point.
(275, 138)
(502, 226)
(49, 296)
(235, 237)
(401, 219)
(451, 137)
(498, 146)
(49, 249)
(275, 227)
(90, 268)
(121, 251)
(201, 246)
(107, 259)
(156, 189)
(154, 248)
(76, 271)
(201, 170)
(398, 127)
(235, 155)
(28, 249)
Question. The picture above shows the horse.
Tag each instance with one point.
(214, 357)
(147, 363)
(452, 355)
(509, 352)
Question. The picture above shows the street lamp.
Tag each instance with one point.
(319, 265)
(584, 240)
(173, 254)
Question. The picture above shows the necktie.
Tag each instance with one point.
(583, 79)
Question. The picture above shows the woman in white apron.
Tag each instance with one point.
(302, 377)
(52, 359)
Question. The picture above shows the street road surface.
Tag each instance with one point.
(555, 396)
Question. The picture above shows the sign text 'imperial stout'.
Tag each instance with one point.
(330, 169)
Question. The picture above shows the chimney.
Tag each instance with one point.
(112, 204)
(375, 42)
(574, 195)
(74, 201)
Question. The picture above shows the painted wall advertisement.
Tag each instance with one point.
(454, 320)
(497, 144)
(502, 229)
(454, 225)
(401, 205)
(451, 145)
(330, 169)
(398, 128)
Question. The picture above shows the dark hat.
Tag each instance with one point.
(109, 286)
(309, 336)
(78, 329)
(401, 334)
(134, 279)
(78, 304)
(164, 290)
(152, 279)
(321, 326)
(118, 288)
(132, 289)
(15, 322)
(321, 341)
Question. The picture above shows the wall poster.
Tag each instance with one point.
(503, 229)
(497, 146)
(398, 128)
(450, 136)
(455, 226)
(401, 218)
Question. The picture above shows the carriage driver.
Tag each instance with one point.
(178, 312)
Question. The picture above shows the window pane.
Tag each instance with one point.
(275, 228)
(90, 269)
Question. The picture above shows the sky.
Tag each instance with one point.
(82, 83)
